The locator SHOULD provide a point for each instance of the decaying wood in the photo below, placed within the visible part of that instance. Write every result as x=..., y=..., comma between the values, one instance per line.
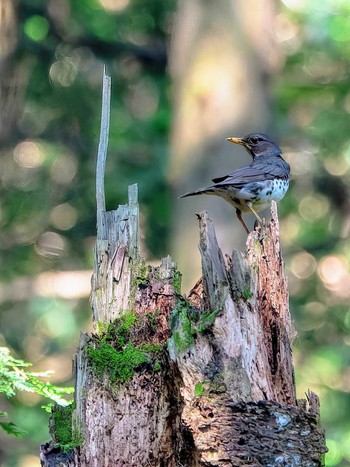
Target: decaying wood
x=102, y=157
x=253, y=333
x=136, y=423
x=217, y=387
x=247, y=413
x=114, y=252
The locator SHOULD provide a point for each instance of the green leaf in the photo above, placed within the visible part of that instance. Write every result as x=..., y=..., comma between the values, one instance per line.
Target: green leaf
x=14, y=377
x=12, y=429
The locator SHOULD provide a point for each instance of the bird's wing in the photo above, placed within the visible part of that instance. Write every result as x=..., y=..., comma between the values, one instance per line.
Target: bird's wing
x=256, y=172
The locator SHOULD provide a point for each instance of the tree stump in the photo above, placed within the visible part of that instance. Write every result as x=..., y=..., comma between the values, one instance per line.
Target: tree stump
x=172, y=381
x=203, y=380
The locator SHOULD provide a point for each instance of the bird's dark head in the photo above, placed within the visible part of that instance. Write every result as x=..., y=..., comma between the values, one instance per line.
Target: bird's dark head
x=258, y=144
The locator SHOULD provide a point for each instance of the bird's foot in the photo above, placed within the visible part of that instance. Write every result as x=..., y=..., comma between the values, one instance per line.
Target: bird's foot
x=260, y=228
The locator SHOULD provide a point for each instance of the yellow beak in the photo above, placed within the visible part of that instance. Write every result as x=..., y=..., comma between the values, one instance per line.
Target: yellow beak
x=236, y=140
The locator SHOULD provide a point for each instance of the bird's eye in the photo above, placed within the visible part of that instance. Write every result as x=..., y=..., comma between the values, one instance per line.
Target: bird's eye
x=254, y=140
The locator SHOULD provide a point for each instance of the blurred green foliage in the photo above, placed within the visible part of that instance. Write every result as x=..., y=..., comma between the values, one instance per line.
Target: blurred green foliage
x=313, y=111
x=15, y=377
x=47, y=199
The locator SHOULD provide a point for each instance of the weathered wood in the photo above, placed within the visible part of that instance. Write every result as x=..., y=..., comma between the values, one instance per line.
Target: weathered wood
x=137, y=423
x=224, y=392
x=114, y=256
x=204, y=380
x=253, y=330
x=102, y=155
x=117, y=242
x=255, y=433
x=239, y=391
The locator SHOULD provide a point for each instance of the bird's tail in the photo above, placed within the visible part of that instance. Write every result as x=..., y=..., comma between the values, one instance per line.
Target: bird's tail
x=200, y=191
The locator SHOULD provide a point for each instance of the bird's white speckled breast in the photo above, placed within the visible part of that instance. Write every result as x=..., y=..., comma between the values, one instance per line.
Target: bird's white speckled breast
x=274, y=192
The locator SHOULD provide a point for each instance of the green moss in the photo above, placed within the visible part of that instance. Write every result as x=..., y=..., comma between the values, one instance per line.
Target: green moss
x=182, y=342
x=177, y=281
x=119, y=364
x=114, y=354
x=246, y=293
x=119, y=330
x=63, y=434
x=77, y=440
x=151, y=348
x=186, y=322
x=101, y=327
x=62, y=420
x=183, y=335
x=207, y=388
x=206, y=320
x=199, y=389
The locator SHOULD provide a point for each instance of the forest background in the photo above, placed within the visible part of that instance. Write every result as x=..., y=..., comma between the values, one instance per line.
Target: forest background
x=186, y=74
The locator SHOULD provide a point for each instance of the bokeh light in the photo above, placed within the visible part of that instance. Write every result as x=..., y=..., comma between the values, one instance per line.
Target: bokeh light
x=36, y=27
x=64, y=169
x=50, y=245
x=63, y=72
x=313, y=208
x=29, y=154
x=64, y=216
x=303, y=265
x=69, y=284
x=334, y=273
x=29, y=461
x=114, y=5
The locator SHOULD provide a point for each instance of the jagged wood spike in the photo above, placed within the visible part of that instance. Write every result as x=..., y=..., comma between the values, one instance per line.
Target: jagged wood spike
x=102, y=154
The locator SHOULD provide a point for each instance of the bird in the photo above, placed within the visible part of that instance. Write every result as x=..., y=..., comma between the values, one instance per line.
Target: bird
x=252, y=187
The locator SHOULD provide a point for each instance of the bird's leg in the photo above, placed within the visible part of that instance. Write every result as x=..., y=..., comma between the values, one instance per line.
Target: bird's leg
x=254, y=212
x=240, y=218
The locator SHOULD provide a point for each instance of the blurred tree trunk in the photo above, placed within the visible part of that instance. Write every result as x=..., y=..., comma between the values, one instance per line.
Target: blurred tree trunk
x=222, y=57
x=13, y=73
x=211, y=380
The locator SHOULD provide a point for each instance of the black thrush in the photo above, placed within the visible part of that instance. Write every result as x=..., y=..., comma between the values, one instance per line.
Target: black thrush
x=253, y=187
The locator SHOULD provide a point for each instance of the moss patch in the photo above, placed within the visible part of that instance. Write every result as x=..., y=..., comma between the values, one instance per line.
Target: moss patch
x=206, y=320
x=62, y=431
x=177, y=281
x=247, y=293
x=186, y=322
x=113, y=353
x=184, y=334
x=199, y=389
x=119, y=364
